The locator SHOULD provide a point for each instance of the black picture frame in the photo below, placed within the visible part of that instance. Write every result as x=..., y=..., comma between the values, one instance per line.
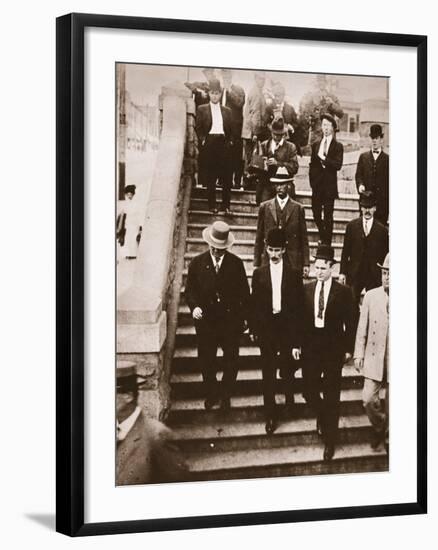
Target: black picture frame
x=70, y=272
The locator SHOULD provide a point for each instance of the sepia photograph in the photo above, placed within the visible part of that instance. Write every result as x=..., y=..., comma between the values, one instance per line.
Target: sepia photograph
x=252, y=274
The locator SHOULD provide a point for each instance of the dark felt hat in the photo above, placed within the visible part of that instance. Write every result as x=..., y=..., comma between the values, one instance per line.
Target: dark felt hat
x=385, y=264
x=277, y=126
x=330, y=118
x=276, y=238
x=325, y=252
x=215, y=85
x=376, y=131
x=367, y=199
x=130, y=189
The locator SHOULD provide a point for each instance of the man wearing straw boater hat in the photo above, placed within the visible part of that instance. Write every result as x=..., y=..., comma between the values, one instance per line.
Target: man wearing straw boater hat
x=146, y=449
x=288, y=215
x=325, y=161
x=217, y=294
x=276, y=303
x=371, y=355
x=327, y=343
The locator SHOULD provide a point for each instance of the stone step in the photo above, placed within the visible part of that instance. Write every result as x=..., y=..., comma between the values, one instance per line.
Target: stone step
x=229, y=436
x=242, y=247
x=249, y=381
x=285, y=461
x=250, y=408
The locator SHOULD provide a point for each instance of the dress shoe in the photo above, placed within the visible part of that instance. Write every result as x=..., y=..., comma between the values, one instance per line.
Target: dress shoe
x=318, y=427
x=271, y=426
x=225, y=404
x=329, y=451
x=214, y=210
x=376, y=440
x=228, y=212
x=211, y=402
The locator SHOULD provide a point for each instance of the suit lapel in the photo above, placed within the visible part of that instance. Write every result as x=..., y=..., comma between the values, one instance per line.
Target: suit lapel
x=289, y=209
x=209, y=118
x=331, y=146
x=272, y=208
x=331, y=297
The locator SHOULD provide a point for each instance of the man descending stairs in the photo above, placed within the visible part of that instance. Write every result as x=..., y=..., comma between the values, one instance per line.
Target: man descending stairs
x=232, y=443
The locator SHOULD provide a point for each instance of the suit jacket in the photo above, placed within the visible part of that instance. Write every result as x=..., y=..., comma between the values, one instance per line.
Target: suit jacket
x=291, y=301
x=338, y=323
x=372, y=333
x=234, y=100
x=358, y=248
x=255, y=115
x=297, y=249
x=375, y=177
x=285, y=155
x=204, y=121
x=323, y=177
x=224, y=296
x=149, y=455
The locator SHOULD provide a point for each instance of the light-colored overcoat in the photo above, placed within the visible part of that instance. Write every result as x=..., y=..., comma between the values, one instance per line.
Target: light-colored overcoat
x=372, y=333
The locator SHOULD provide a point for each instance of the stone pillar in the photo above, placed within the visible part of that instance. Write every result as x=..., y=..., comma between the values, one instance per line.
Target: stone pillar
x=141, y=320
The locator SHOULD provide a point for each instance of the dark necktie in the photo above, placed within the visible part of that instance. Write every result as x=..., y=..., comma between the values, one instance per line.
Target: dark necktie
x=325, y=147
x=217, y=266
x=321, y=301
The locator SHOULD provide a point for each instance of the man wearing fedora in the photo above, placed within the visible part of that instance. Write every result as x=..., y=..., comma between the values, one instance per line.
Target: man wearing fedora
x=146, y=449
x=286, y=214
x=327, y=331
x=217, y=294
x=276, y=303
x=325, y=162
x=372, y=173
x=371, y=356
x=214, y=129
x=277, y=153
x=366, y=244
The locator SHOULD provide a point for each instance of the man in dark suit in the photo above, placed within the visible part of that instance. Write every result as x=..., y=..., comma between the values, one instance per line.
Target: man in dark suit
x=327, y=343
x=146, y=449
x=217, y=294
x=233, y=97
x=276, y=303
x=280, y=108
x=372, y=173
x=326, y=160
x=366, y=244
x=287, y=214
x=278, y=153
x=214, y=129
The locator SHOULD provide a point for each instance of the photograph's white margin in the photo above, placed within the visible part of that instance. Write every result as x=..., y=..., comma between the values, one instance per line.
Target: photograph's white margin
x=104, y=502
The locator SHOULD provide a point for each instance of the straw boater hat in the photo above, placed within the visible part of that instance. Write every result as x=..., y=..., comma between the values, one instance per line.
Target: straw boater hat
x=330, y=118
x=281, y=176
x=385, y=264
x=218, y=235
x=127, y=377
x=325, y=252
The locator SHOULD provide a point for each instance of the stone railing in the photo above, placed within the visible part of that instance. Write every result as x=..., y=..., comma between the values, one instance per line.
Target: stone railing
x=144, y=328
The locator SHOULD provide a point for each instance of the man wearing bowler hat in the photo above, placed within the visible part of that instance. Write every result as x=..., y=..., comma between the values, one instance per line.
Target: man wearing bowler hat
x=327, y=343
x=372, y=173
x=325, y=161
x=366, y=244
x=217, y=294
x=288, y=215
x=215, y=131
x=146, y=449
x=276, y=303
x=371, y=355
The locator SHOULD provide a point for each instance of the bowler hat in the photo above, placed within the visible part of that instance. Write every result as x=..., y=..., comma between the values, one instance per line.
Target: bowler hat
x=367, y=199
x=277, y=126
x=376, y=131
x=276, y=238
x=385, y=264
x=130, y=189
x=215, y=85
x=281, y=176
x=330, y=118
x=325, y=252
x=218, y=235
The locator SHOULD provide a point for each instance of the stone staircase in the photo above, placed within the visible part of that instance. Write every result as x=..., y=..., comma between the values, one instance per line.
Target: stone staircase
x=234, y=444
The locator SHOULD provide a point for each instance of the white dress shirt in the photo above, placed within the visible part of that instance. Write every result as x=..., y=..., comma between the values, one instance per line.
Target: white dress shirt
x=276, y=279
x=321, y=147
x=367, y=225
x=224, y=97
x=282, y=202
x=275, y=145
x=217, y=124
x=319, y=323
x=377, y=153
x=221, y=259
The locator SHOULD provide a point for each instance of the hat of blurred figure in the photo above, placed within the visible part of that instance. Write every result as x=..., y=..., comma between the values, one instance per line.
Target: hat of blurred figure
x=226, y=71
x=281, y=176
x=325, y=252
x=277, y=126
x=260, y=74
x=130, y=189
x=367, y=199
x=385, y=264
x=330, y=118
x=215, y=85
x=376, y=131
x=218, y=235
x=208, y=70
x=278, y=87
x=276, y=238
